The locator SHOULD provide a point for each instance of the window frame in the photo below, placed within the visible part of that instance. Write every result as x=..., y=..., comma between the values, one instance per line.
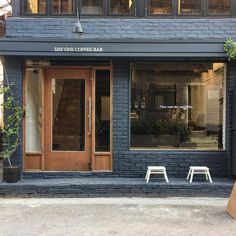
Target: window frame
x=174, y=150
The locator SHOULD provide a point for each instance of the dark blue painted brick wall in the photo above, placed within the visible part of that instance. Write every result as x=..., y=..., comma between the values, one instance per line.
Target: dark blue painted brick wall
x=231, y=83
x=13, y=69
x=116, y=28
x=134, y=163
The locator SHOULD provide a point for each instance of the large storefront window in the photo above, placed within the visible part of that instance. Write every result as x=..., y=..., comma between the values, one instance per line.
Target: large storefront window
x=177, y=106
x=33, y=110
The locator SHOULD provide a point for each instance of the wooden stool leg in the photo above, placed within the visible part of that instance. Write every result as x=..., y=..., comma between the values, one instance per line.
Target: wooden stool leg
x=191, y=178
x=166, y=177
x=188, y=173
x=206, y=175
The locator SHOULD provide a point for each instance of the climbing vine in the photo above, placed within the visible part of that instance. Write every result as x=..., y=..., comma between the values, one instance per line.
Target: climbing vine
x=230, y=49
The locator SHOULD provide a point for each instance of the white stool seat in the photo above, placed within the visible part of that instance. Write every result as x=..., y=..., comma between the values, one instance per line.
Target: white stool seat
x=156, y=167
x=202, y=170
x=199, y=167
x=156, y=170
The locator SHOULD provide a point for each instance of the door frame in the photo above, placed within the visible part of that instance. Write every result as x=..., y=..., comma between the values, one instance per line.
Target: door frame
x=101, y=161
x=68, y=160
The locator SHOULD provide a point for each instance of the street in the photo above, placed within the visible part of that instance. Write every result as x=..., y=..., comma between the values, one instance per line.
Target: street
x=115, y=216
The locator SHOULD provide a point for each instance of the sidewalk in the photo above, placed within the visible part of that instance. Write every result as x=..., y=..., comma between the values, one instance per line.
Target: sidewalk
x=116, y=216
x=117, y=187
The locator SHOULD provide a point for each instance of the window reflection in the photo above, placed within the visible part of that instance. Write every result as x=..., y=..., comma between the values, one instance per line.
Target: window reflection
x=62, y=6
x=219, y=7
x=160, y=7
x=34, y=6
x=122, y=7
x=177, y=106
x=92, y=7
x=189, y=7
x=68, y=100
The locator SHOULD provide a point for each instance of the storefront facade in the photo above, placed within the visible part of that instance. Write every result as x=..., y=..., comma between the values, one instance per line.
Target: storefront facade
x=145, y=84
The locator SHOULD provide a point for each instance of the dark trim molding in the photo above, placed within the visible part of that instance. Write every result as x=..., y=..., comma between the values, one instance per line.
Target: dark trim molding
x=112, y=48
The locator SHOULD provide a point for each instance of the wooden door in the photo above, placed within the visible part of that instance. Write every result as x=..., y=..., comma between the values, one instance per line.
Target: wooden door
x=68, y=119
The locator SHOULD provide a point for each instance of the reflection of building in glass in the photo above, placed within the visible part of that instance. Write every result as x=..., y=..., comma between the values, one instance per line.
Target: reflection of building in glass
x=183, y=100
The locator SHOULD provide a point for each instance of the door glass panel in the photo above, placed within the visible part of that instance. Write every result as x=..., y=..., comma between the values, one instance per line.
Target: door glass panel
x=102, y=111
x=33, y=111
x=68, y=101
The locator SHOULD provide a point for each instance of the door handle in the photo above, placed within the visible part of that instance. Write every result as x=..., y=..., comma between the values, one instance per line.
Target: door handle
x=90, y=116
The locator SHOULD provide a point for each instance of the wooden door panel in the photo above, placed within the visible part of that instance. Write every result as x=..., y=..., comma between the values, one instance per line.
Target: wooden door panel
x=67, y=158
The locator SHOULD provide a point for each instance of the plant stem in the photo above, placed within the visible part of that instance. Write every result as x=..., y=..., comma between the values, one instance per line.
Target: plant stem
x=9, y=161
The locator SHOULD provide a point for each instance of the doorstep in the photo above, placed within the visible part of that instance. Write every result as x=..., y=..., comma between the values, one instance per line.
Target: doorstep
x=116, y=187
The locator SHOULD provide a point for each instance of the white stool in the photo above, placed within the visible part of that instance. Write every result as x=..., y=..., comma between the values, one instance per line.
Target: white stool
x=156, y=170
x=202, y=170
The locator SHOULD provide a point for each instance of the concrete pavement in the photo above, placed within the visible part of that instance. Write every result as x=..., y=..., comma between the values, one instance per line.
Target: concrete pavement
x=115, y=216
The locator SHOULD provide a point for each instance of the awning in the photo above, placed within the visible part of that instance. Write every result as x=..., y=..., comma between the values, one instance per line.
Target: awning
x=112, y=48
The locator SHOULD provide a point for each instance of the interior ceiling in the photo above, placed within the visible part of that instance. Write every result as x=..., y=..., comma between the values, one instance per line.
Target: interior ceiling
x=175, y=67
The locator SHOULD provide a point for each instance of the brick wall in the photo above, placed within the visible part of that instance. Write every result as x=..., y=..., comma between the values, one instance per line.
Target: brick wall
x=14, y=76
x=134, y=163
x=103, y=28
x=126, y=162
x=231, y=83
